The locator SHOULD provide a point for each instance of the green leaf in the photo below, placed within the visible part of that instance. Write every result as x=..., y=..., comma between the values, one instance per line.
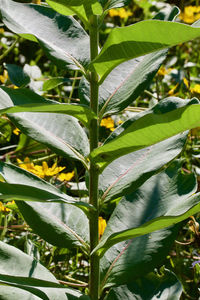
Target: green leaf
x=32, y=189
x=108, y=4
x=24, y=100
x=76, y=2
x=29, y=21
x=30, y=193
x=17, y=76
x=151, y=286
x=130, y=260
x=127, y=173
x=27, y=277
x=163, y=200
x=61, y=133
x=169, y=117
x=124, y=84
x=139, y=39
x=68, y=224
x=80, y=8
x=54, y=82
x=5, y=131
x=127, y=81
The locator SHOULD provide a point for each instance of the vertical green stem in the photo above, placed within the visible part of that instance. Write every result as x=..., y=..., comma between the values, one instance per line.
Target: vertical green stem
x=93, y=187
x=5, y=225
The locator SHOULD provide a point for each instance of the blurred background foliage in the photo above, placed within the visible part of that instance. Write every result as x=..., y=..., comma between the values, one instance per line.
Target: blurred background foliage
x=23, y=64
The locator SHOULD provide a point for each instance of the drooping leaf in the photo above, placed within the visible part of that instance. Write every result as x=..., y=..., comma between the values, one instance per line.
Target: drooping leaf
x=144, y=37
x=23, y=185
x=17, y=76
x=68, y=224
x=127, y=173
x=61, y=133
x=29, y=193
x=169, y=117
x=28, y=20
x=24, y=100
x=28, y=279
x=59, y=224
x=82, y=9
x=163, y=200
x=151, y=286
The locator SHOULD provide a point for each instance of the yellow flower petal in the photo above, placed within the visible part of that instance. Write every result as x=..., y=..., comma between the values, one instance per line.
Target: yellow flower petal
x=66, y=176
x=4, y=77
x=162, y=71
x=190, y=14
x=16, y=131
x=196, y=89
x=102, y=226
x=108, y=123
x=3, y=208
x=171, y=92
x=186, y=82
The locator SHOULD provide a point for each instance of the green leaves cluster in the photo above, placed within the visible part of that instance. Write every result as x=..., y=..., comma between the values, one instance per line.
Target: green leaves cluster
x=128, y=165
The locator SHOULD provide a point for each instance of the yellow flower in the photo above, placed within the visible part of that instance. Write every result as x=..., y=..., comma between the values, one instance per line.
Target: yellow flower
x=40, y=171
x=190, y=14
x=119, y=122
x=66, y=176
x=186, y=82
x=4, y=208
x=16, y=131
x=4, y=77
x=102, y=226
x=171, y=92
x=196, y=89
x=1, y=30
x=121, y=12
x=108, y=123
x=162, y=71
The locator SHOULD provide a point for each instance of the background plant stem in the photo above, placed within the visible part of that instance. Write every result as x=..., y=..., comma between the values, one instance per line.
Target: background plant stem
x=93, y=173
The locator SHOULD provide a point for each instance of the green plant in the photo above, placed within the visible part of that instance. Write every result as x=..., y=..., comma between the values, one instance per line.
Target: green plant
x=134, y=163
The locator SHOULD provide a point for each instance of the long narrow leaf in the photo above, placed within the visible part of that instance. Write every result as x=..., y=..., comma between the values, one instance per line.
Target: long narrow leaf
x=169, y=117
x=128, y=80
x=33, y=188
x=24, y=100
x=82, y=9
x=60, y=133
x=22, y=277
x=67, y=223
x=66, y=49
x=139, y=39
x=165, y=199
x=127, y=173
x=150, y=286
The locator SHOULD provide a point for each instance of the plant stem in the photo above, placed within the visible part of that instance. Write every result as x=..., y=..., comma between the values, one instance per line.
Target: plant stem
x=93, y=173
x=5, y=226
x=9, y=49
x=73, y=86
